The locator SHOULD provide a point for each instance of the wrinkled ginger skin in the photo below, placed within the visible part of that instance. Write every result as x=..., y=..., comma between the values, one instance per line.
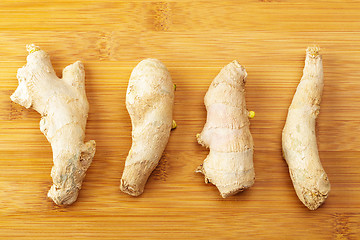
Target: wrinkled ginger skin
x=63, y=106
x=229, y=164
x=299, y=144
x=149, y=101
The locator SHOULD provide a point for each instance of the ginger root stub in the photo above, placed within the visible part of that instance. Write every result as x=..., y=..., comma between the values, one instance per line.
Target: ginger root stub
x=64, y=108
x=299, y=145
x=229, y=165
x=149, y=101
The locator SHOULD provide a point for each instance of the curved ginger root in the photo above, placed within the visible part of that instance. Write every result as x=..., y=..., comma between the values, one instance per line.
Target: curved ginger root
x=229, y=164
x=298, y=138
x=149, y=101
x=63, y=106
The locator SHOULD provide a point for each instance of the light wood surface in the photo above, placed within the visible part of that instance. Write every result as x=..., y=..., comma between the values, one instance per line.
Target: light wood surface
x=195, y=40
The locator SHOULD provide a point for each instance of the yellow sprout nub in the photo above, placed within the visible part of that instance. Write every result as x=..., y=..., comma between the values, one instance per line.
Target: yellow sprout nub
x=174, y=87
x=174, y=125
x=251, y=114
x=32, y=48
x=198, y=135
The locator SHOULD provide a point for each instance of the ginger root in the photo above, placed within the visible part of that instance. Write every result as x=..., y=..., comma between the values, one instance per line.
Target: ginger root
x=149, y=101
x=299, y=145
x=229, y=164
x=64, y=108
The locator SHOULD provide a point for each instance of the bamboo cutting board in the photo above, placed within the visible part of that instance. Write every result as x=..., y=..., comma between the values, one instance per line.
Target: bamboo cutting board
x=195, y=40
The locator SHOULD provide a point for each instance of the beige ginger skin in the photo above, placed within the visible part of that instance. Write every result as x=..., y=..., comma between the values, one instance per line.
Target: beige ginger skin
x=299, y=145
x=149, y=101
x=229, y=164
x=64, y=108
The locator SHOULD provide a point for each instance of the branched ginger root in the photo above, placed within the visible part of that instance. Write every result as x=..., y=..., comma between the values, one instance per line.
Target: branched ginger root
x=229, y=164
x=149, y=101
x=63, y=106
x=299, y=145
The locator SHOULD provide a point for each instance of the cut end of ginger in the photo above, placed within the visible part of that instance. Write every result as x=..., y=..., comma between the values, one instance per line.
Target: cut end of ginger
x=32, y=48
x=313, y=51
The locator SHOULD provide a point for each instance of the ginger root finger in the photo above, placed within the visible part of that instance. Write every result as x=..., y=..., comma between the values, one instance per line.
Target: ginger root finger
x=64, y=108
x=299, y=144
x=229, y=165
x=149, y=101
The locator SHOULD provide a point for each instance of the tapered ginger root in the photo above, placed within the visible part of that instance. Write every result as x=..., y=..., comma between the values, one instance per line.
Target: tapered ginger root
x=298, y=137
x=229, y=164
x=149, y=101
x=63, y=106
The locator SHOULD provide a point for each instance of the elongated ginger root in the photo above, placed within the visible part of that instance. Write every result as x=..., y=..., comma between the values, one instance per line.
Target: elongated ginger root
x=298, y=138
x=63, y=106
x=149, y=101
x=229, y=164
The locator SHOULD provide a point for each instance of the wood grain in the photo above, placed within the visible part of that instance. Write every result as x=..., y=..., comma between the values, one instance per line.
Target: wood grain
x=195, y=40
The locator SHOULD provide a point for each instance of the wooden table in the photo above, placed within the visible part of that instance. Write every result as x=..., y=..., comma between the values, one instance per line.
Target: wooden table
x=195, y=40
